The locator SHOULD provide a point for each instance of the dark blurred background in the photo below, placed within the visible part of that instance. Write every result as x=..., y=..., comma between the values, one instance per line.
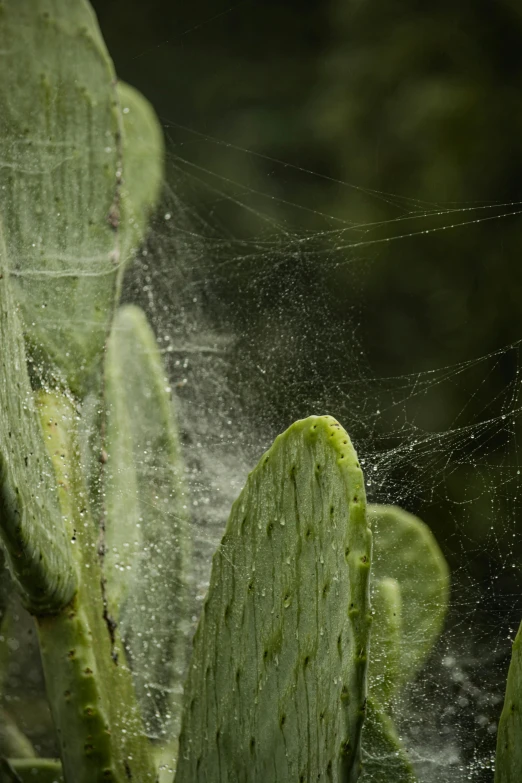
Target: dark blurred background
x=351, y=173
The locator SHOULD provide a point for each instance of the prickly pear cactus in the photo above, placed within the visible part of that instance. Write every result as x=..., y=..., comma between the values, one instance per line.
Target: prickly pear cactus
x=69, y=221
x=406, y=551
x=410, y=593
x=31, y=528
x=277, y=685
x=385, y=659
x=88, y=682
x=508, y=765
x=147, y=533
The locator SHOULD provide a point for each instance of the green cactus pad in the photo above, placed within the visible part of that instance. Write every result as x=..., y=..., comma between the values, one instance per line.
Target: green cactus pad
x=88, y=682
x=386, y=641
x=77, y=178
x=508, y=765
x=31, y=526
x=13, y=742
x=384, y=758
x=34, y=770
x=143, y=154
x=147, y=536
x=406, y=551
x=277, y=685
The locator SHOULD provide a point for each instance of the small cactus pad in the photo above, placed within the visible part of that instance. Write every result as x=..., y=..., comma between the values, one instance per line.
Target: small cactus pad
x=31, y=527
x=406, y=551
x=508, y=765
x=277, y=684
x=147, y=535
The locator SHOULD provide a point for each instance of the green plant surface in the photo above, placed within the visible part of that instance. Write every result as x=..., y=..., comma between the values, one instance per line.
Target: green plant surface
x=384, y=758
x=29, y=770
x=386, y=642
x=406, y=551
x=508, y=765
x=31, y=527
x=78, y=179
x=143, y=164
x=410, y=594
x=61, y=147
x=147, y=532
x=88, y=682
x=277, y=684
x=13, y=742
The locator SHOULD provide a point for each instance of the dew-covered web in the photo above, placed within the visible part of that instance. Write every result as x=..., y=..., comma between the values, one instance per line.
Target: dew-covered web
x=251, y=334
x=278, y=319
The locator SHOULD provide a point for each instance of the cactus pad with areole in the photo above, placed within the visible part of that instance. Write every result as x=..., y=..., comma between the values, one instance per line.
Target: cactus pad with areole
x=277, y=685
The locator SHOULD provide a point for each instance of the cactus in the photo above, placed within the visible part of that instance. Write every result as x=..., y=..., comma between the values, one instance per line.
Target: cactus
x=277, y=684
x=91, y=692
x=142, y=170
x=61, y=140
x=73, y=205
x=147, y=537
x=385, y=661
x=410, y=595
x=32, y=531
x=62, y=143
x=31, y=771
x=406, y=551
x=508, y=766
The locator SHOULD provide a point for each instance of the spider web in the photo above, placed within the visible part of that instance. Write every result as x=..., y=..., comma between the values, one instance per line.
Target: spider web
x=255, y=333
x=241, y=375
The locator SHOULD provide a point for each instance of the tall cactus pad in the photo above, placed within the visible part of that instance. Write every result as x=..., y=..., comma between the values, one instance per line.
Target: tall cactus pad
x=277, y=687
x=60, y=177
x=147, y=536
x=88, y=683
x=406, y=551
x=31, y=526
x=508, y=766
